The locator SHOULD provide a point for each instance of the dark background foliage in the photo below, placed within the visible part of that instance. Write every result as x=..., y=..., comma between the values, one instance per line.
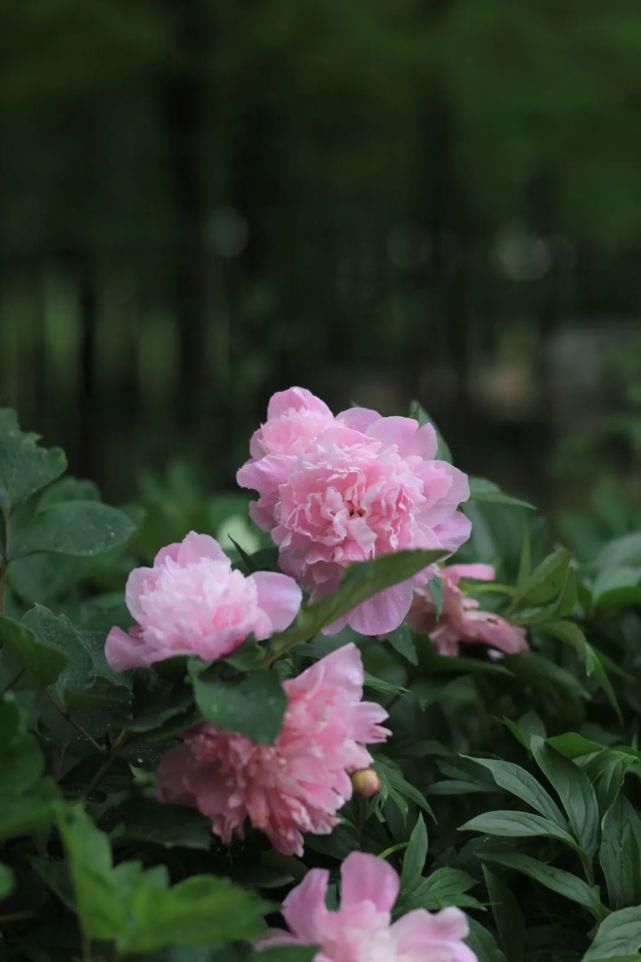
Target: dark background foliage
x=207, y=200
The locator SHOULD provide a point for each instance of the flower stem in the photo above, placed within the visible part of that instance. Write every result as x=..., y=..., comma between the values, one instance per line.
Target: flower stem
x=115, y=750
x=67, y=717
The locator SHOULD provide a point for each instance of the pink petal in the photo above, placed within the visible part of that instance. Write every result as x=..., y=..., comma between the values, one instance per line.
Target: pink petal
x=418, y=931
x=196, y=546
x=359, y=419
x=295, y=398
x=304, y=908
x=124, y=651
x=279, y=596
x=367, y=877
x=382, y=613
x=406, y=435
x=477, y=572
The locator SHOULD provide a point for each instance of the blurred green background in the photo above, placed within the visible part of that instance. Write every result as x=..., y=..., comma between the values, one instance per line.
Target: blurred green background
x=202, y=201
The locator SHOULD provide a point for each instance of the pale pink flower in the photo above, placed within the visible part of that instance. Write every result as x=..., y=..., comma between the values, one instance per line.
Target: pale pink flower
x=461, y=618
x=338, y=490
x=361, y=929
x=295, y=785
x=192, y=603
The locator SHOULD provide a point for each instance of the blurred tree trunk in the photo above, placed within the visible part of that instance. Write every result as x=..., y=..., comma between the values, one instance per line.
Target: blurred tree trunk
x=89, y=433
x=184, y=109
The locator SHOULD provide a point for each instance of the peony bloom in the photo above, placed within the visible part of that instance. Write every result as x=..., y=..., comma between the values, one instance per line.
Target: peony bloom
x=461, y=618
x=338, y=490
x=360, y=930
x=192, y=603
x=295, y=785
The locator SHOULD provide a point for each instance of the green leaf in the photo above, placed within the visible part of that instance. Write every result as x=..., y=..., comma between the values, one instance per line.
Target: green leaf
x=437, y=594
x=442, y=888
x=138, y=910
x=507, y=915
x=607, y=772
x=418, y=412
x=617, y=587
x=483, y=944
x=555, y=879
x=517, y=781
x=618, y=937
x=620, y=854
x=483, y=490
x=402, y=641
x=574, y=745
x=57, y=633
x=508, y=824
x=24, y=467
x=575, y=790
x=415, y=855
x=25, y=814
x=396, y=786
x=254, y=706
x=570, y=633
x=44, y=662
x=83, y=528
x=546, y=581
x=360, y=582
x=21, y=761
x=171, y=826
x=7, y=881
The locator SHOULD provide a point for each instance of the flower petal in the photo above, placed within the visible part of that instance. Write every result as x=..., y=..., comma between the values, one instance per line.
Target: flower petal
x=367, y=877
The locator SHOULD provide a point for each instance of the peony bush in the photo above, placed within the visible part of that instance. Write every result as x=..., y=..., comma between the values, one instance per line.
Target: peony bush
x=404, y=728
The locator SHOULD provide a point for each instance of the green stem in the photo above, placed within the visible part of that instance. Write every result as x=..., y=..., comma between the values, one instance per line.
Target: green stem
x=14, y=681
x=67, y=717
x=117, y=746
x=17, y=917
x=393, y=848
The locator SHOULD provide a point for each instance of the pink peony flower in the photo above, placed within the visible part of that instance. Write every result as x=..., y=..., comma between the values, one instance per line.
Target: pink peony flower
x=360, y=930
x=461, y=618
x=192, y=603
x=338, y=490
x=295, y=785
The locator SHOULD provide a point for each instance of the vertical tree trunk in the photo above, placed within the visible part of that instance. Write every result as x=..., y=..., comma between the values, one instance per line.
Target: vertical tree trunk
x=184, y=108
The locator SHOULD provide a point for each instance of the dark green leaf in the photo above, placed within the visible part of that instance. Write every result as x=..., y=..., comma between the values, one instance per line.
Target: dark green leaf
x=517, y=781
x=508, y=824
x=24, y=466
x=483, y=490
x=144, y=820
x=618, y=937
x=254, y=706
x=442, y=888
x=44, y=662
x=556, y=879
x=83, y=528
x=575, y=790
x=507, y=915
x=620, y=854
x=415, y=855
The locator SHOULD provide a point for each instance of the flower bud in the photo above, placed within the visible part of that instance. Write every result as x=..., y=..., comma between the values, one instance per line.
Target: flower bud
x=366, y=782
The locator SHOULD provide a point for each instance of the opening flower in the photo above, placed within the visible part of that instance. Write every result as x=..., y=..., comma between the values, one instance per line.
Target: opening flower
x=192, y=603
x=295, y=785
x=361, y=929
x=462, y=619
x=338, y=490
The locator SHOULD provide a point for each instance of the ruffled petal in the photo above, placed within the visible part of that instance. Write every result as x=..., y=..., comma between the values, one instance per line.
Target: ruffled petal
x=368, y=878
x=279, y=597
